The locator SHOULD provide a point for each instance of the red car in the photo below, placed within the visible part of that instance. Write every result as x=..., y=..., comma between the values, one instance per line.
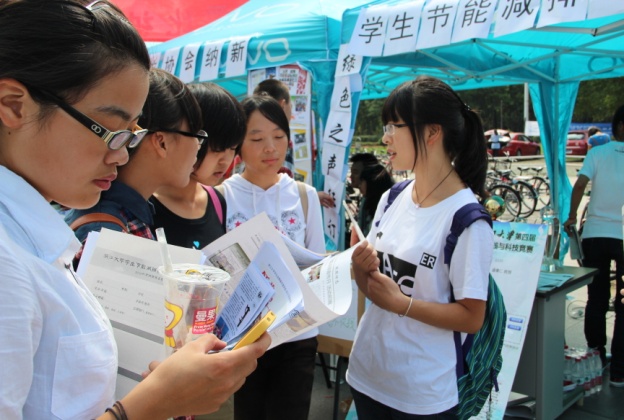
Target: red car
x=514, y=144
x=577, y=143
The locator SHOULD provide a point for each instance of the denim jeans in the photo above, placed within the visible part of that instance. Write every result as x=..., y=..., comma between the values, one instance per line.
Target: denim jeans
x=369, y=409
x=599, y=252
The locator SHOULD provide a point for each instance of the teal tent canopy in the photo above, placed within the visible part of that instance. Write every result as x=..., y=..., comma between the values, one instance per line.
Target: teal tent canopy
x=552, y=60
x=282, y=32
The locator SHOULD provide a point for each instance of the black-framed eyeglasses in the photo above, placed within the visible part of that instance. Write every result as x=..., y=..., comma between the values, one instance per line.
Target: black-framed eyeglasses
x=115, y=140
x=390, y=129
x=201, y=135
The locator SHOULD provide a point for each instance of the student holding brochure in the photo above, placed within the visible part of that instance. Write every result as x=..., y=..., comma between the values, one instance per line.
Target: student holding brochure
x=73, y=80
x=403, y=362
x=281, y=386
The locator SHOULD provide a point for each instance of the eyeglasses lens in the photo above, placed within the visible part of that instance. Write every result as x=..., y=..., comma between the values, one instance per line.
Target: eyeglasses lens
x=137, y=138
x=119, y=140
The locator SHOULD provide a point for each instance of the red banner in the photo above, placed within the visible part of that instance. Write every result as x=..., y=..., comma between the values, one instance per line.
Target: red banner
x=162, y=20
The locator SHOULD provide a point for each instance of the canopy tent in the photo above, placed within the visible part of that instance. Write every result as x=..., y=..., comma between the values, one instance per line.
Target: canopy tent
x=552, y=59
x=162, y=20
x=282, y=32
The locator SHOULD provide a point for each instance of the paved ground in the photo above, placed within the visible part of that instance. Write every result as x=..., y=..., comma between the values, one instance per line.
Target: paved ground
x=605, y=405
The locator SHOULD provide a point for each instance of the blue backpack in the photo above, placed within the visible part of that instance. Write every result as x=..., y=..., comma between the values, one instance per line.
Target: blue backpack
x=479, y=358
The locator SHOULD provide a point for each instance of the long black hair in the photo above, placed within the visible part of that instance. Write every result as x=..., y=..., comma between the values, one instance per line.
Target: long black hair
x=63, y=48
x=378, y=181
x=427, y=100
x=169, y=102
x=223, y=118
x=274, y=88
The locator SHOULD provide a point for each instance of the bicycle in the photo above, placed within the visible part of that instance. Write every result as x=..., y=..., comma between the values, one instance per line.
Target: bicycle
x=527, y=192
x=539, y=183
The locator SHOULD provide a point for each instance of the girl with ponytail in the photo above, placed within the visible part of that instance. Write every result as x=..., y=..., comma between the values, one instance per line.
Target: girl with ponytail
x=403, y=360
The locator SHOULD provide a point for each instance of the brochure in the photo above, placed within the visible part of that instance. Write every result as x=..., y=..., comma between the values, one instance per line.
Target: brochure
x=325, y=287
x=120, y=270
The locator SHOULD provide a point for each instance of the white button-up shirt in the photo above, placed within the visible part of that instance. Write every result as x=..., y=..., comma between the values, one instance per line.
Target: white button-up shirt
x=58, y=358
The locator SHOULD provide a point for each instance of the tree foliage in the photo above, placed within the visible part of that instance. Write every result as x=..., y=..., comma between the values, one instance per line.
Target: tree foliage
x=503, y=107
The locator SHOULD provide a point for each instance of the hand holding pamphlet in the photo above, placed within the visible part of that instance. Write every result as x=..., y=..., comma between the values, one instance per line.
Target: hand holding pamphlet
x=121, y=270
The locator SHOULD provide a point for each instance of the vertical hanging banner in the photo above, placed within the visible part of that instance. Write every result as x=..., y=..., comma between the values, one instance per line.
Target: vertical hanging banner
x=332, y=162
x=347, y=63
x=557, y=11
x=518, y=252
x=236, y=59
x=170, y=60
x=331, y=216
x=341, y=95
x=473, y=20
x=299, y=84
x=514, y=16
x=336, y=135
x=210, y=61
x=189, y=63
x=337, y=129
x=402, y=30
x=436, y=26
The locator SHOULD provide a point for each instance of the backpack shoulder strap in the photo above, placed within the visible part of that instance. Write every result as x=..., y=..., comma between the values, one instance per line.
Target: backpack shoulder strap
x=395, y=190
x=216, y=202
x=303, y=196
x=98, y=217
x=463, y=218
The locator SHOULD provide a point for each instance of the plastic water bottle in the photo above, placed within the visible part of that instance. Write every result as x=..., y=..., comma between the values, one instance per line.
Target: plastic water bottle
x=568, y=373
x=591, y=367
x=577, y=372
x=597, y=369
x=587, y=375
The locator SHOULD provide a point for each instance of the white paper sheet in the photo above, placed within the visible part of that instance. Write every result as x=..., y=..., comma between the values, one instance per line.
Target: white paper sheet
x=210, y=61
x=170, y=60
x=189, y=63
x=436, y=23
x=120, y=270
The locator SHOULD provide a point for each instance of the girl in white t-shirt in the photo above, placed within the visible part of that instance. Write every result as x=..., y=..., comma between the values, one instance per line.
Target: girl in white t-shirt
x=281, y=386
x=403, y=360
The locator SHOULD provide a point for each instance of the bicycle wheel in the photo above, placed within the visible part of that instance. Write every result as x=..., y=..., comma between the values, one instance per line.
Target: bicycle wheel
x=542, y=188
x=513, y=203
x=528, y=195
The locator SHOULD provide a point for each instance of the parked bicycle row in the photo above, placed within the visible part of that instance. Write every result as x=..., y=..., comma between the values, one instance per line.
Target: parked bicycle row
x=522, y=192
